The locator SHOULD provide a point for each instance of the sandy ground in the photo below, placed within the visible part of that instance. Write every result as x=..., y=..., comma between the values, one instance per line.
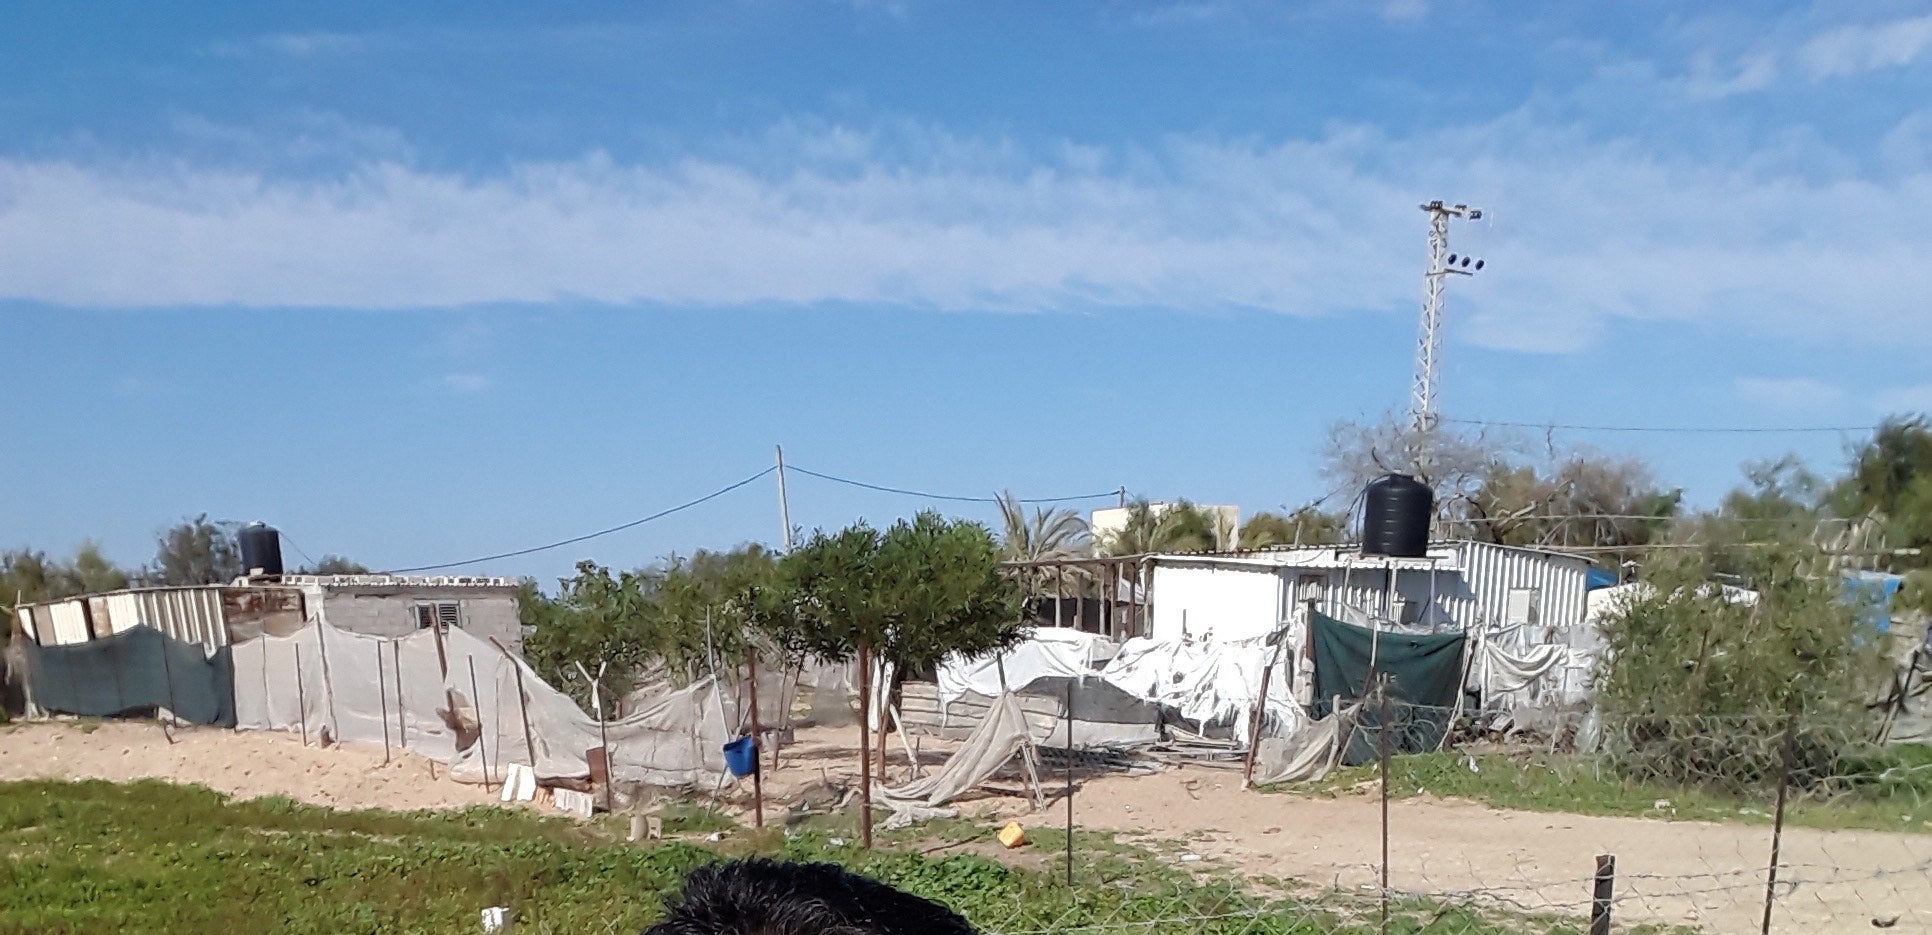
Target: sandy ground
x=246, y=764
x=1679, y=873
x=1691, y=873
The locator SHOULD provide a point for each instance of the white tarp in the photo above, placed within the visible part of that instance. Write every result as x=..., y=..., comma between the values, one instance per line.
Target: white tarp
x=367, y=689
x=1307, y=751
x=1049, y=652
x=1209, y=682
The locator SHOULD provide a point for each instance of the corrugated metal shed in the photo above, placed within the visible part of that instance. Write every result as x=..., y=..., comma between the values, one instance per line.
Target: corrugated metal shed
x=1518, y=594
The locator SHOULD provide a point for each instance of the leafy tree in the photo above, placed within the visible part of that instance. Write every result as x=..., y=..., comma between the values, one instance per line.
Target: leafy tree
x=1584, y=499
x=195, y=551
x=925, y=588
x=1307, y=525
x=89, y=573
x=335, y=565
x=1697, y=687
x=1890, y=482
x=596, y=617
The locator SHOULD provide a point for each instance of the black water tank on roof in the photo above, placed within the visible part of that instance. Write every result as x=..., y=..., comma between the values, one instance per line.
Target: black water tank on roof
x=1395, y=517
x=261, y=547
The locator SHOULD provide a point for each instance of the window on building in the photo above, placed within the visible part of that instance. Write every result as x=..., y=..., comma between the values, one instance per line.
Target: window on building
x=439, y=614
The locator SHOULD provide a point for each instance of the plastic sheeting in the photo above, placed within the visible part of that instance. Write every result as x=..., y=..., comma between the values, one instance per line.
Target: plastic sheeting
x=1208, y=683
x=1001, y=735
x=1050, y=652
x=1308, y=752
x=136, y=669
x=370, y=690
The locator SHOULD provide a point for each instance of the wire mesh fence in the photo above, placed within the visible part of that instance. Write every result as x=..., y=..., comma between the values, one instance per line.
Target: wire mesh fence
x=1771, y=824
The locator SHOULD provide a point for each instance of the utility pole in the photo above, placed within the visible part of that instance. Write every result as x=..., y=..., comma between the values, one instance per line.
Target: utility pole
x=784, y=505
x=1428, y=349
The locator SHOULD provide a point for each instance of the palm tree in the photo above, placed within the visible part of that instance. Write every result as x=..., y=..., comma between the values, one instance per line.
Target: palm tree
x=1046, y=536
x=1180, y=527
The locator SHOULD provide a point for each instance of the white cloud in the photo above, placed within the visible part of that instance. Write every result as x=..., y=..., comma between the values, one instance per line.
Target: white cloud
x=1850, y=50
x=295, y=44
x=1584, y=234
x=1790, y=394
x=466, y=382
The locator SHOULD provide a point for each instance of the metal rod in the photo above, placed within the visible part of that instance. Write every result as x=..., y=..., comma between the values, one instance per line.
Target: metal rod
x=1601, y=895
x=1069, y=784
x=603, y=739
x=1777, y=824
x=1260, y=713
x=757, y=774
x=1382, y=742
x=476, y=704
x=402, y=717
x=301, y=696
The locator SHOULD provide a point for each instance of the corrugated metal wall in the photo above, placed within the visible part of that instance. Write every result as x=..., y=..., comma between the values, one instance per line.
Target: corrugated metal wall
x=191, y=615
x=1471, y=583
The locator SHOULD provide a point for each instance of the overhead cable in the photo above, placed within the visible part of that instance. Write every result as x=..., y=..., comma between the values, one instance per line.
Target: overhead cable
x=1709, y=430
x=601, y=532
x=940, y=496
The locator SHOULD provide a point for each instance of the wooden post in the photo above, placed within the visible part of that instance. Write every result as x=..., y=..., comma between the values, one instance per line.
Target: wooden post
x=865, y=750
x=476, y=704
x=523, y=708
x=1255, y=721
x=1601, y=895
x=757, y=774
x=382, y=696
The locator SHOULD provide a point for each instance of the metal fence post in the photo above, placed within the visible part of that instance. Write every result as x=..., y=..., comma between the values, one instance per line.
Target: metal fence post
x=1777, y=823
x=1382, y=745
x=1601, y=895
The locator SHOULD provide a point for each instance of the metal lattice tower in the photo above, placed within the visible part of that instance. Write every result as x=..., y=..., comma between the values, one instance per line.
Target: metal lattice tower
x=1428, y=347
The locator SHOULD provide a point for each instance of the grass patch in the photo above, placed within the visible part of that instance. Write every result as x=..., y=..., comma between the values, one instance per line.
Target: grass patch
x=1897, y=798
x=152, y=857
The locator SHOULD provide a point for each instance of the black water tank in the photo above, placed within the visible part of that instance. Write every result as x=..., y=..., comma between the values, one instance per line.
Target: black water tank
x=1395, y=517
x=261, y=547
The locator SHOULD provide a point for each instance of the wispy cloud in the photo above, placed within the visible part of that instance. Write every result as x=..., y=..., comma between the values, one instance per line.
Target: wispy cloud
x=1790, y=394
x=1584, y=232
x=296, y=44
x=466, y=382
x=1850, y=50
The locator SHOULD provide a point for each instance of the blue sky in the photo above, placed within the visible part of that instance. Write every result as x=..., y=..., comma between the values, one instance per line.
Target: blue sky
x=418, y=282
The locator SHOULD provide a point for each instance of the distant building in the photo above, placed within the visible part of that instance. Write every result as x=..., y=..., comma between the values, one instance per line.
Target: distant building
x=219, y=615
x=1521, y=594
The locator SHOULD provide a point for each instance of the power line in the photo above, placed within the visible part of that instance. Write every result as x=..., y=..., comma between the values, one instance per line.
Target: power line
x=601, y=532
x=940, y=496
x=1705, y=430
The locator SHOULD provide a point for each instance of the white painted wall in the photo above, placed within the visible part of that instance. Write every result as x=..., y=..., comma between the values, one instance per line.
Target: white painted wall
x=1225, y=602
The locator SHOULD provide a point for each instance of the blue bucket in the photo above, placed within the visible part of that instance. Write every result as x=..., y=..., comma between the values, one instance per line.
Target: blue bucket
x=741, y=756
